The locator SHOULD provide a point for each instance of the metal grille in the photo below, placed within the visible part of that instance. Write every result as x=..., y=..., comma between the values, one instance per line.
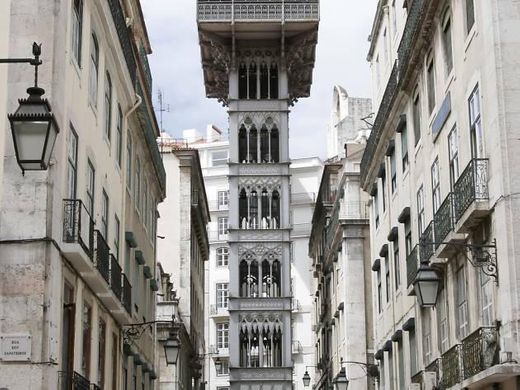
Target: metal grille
x=451, y=366
x=78, y=226
x=426, y=242
x=115, y=276
x=443, y=220
x=480, y=351
x=471, y=186
x=412, y=265
x=126, y=296
x=124, y=36
x=72, y=381
x=102, y=256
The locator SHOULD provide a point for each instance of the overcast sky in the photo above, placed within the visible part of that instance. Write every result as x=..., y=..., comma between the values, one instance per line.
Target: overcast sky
x=340, y=59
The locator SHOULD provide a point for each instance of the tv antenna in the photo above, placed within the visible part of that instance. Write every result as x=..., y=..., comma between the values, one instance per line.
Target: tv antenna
x=162, y=108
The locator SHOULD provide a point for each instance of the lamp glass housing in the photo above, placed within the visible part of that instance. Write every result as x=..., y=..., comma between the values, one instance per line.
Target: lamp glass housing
x=34, y=131
x=341, y=381
x=171, y=350
x=306, y=379
x=426, y=286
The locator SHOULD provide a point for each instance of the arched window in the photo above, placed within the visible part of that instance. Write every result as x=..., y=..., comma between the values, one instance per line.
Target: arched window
x=253, y=210
x=264, y=81
x=242, y=209
x=265, y=209
x=253, y=151
x=108, y=105
x=274, y=81
x=275, y=145
x=252, y=81
x=242, y=81
x=275, y=210
x=93, y=70
x=249, y=279
x=276, y=279
x=264, y=145
x=277, y=347
x=242, y=144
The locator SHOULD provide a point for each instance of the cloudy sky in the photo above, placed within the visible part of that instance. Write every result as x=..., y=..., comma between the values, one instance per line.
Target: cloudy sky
x=175, y=62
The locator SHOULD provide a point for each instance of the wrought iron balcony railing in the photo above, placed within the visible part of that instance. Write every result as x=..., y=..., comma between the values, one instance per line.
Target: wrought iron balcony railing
x=146, y=68
x=471, y=186
x=78, y=226
x=115, y=277
x=444, y=220
x=451, y=366
x=72, y=381
x=126, y=296
x=124, y=36
x=426, y=242
x=259, y=10
x=480, y=351
x=102, y=256
x=412, y=264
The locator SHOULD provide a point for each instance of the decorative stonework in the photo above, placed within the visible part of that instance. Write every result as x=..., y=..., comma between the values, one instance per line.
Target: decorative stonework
x=271, y=183
x=260, y=304
x=259, y=250
x=261, y=235
x=262, y=169
x=259, y=119
x=261, y=374
x=255, y=320
x=216, y=64
x=300, y=62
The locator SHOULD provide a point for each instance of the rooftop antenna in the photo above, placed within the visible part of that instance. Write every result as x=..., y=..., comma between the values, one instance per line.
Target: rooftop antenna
x=162, y=108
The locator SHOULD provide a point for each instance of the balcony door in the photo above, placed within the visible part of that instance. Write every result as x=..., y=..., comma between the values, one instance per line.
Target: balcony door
x=67, y=335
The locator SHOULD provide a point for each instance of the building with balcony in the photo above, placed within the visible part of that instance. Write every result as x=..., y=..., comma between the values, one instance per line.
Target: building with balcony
x=438, y=167
x=213, y=148
x=340, y=250
x=257, y=59
x=77, y=241
x=184, y=246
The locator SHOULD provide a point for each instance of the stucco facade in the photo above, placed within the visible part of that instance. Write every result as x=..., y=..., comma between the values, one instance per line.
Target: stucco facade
x=77, y=242
x=439, y=167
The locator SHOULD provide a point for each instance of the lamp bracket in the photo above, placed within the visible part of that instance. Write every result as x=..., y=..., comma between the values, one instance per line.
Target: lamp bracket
x=478, y=255
x=370, y=369
x=132, y=332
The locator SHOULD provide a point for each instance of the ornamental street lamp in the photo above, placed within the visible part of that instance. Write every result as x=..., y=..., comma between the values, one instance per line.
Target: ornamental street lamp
x=172, y=347
x=306, y=379
x=33, y=125
x=426, y=285
x=341, y=381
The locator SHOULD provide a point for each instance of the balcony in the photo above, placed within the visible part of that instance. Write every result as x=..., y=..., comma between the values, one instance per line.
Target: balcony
x=215, y=205
x=78, y=235
x=124, y=36
x=296, y=305
x=354, y=211
x=451, y=366
x=471, y=195
x=412, y=264
x=480, y=350
x=217, y=236
x=426, y=242
x=126, y=296
x=444, y=232
x=225, y=11
x=72, y=381
x=215, y=311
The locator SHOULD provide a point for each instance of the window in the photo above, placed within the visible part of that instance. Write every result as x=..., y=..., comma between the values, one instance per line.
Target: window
x=421, y=222
x=137, y=189
x=446, y=44
x=91, y=182
x=417, y=118
x=77, y=27
x=413, y=351
x=436, y=185
x=404, y=148
x=94, y=67
x=119, y=136
x=129, y=161
x=67, y=333
x=375, y=203
x=102, y=331
x=394, y=19
x=476, y=132
x=430, y=83
x=400, y=365
x=222, y=369
x=117, y=232
x=72, y=169
x=219, y=158
x=383, y=191
x=378, y=72
x=387, y=279
x=86, y=330
x=486, y=299
x=379, y=292
x=223, y=199
x=222, y=226
x=397, y=265
x=104, y=215
x=222, y=295
x=115, y=365
x=461, y=302
x=393, y=171
x=453, y=145
x=408, y=237
x=108, y=106
x=427, y=335
x=442, y=317
x=223, y=335
x=222, y=257
x=385, y=46
x=470, y=14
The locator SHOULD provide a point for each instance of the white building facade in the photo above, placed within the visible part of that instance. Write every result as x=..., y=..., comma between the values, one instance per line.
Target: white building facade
x=78, y=240
x=438, y=167
x=213, y=149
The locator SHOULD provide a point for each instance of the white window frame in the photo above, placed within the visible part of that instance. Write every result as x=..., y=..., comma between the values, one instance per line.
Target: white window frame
x=222, y=330
x=222, y=295
x=222, y=254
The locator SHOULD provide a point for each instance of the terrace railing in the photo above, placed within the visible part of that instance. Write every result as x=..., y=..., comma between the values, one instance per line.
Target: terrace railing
x=78, y=226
